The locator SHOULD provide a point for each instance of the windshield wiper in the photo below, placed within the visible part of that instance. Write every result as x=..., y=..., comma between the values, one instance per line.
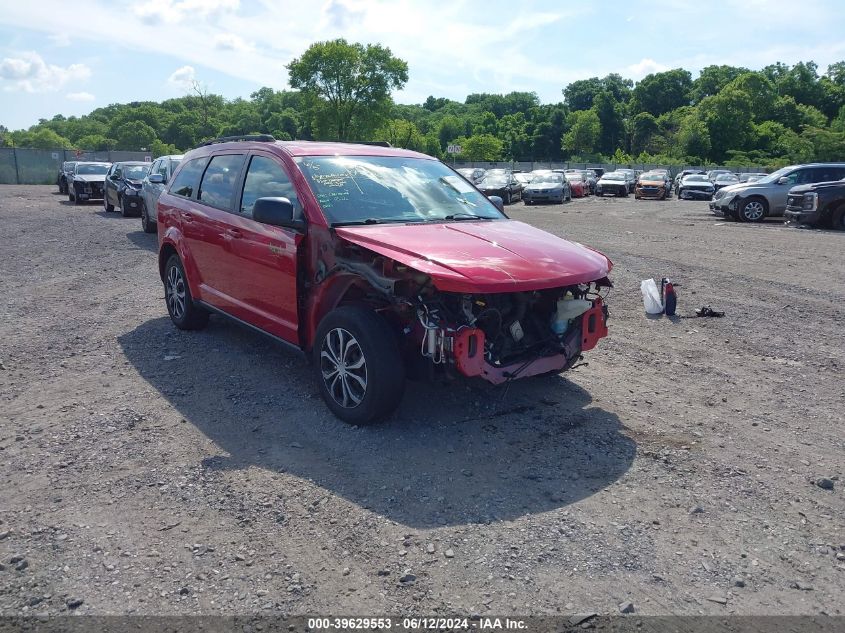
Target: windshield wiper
x=369, y=221
x=462, y=216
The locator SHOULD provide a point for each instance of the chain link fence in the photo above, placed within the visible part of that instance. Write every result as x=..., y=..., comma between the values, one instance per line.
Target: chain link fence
x=27, y=166
x=532, y=165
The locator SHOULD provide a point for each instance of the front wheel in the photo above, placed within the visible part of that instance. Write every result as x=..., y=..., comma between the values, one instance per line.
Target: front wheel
x=837, y=219
x=358, y=366
x=148, y=225
x=184, y=313
x=507, y=199
x=753, y=210
x=106, y=204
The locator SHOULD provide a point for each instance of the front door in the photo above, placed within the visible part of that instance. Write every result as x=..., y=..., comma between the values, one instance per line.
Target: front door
x=261, y=259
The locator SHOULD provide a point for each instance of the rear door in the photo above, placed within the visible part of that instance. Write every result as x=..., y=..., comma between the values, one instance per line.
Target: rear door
x=206, y=225
x=261, y=271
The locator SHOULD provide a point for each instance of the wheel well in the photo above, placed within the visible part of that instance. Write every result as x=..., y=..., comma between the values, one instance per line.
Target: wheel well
x=163, y=255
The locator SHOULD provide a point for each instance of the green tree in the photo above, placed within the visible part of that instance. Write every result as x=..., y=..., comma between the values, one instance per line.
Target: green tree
x=96, y=142
x=712, y=79
x=580, y=95
x=485, y=147
x=135, y=135
x=163, y=149
x=661, y=92
x=402, y=133
x=643, y=128
x=694, y=139
x=729, y=121
x=583, y=135
x=353, y=81
x=611, y=118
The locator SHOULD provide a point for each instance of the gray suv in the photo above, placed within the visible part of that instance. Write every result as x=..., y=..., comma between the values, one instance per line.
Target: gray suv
x=753, y=201
x=152, y=186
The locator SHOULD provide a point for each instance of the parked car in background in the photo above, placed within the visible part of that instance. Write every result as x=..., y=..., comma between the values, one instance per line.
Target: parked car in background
x=123, y=187
x=818, y=204
x=695, y=187
x=153, y=184
x=725, y=180
x=612, y=184
x=473, y=174
x=630, y=178
x=598, y=171
x=714, y=173
x=751, y=177
x=547, y=187
x=683, y=174
x=578, y=184
x=501, y=183
x=524, y=177
x=653, y=185
x=754, y=201
x=408, y=268
x=590, y=176
x=86, y=181
x=62, y=176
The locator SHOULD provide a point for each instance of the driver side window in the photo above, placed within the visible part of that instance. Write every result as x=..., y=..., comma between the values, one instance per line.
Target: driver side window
x=265, y=178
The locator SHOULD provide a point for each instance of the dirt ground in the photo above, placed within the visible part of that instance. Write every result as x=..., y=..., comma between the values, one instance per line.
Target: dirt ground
x=152, y=471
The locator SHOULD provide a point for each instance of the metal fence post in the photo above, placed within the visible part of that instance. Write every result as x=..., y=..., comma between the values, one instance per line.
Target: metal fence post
x=17, y=174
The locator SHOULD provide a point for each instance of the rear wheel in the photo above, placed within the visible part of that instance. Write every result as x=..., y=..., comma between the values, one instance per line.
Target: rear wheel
x=184, y=313
x=753, y=210
x=507, y=199
x=358, y=365
x=106, y=204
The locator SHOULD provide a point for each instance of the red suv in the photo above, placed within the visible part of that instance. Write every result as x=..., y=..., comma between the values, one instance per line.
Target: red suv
x=377, y=262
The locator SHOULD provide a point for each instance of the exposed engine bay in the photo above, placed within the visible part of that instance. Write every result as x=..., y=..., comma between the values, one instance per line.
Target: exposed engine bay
x=498, y=336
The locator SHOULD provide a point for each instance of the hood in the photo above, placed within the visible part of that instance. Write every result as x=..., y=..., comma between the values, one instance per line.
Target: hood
x=485, y=256
x=544, y=185
x=834, y=184
x=652, y=182
x=90, y=177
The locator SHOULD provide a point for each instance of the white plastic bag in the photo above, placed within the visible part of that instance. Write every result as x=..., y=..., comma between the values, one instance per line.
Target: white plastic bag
x=651, y=297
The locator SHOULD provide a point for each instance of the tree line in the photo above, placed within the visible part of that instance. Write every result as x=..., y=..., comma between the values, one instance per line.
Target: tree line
x=727, y=115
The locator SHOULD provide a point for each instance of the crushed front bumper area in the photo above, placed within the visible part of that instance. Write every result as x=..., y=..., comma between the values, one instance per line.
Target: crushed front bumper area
x=465, y=349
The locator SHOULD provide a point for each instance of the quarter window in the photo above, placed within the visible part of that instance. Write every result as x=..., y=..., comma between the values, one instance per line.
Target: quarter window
x=186, y=180
x=218, y=183
x=265, y=178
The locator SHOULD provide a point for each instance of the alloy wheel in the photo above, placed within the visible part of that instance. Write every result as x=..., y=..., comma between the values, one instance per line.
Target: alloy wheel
x=753, y=211
x=344, y=368
x=176, y=292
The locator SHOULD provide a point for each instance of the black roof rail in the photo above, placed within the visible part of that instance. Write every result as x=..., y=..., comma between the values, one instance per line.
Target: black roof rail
x=376, y=143
x=262, y=138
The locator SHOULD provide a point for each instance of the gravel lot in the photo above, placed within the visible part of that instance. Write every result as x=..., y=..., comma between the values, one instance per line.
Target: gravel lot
x=682, y=468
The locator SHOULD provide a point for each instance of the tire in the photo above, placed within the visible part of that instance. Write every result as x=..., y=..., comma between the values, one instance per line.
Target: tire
x=837, y=218
x=527, y=203
x=350, y=336
x=106, y=205
x=507, y=199
x=184, y=313
x=69, y=196
x=123, y=210
x=148, y=225
x=76, y=199
x=753, y=210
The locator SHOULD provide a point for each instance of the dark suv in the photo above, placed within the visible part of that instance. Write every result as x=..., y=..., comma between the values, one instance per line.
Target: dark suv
x=123, y=187
x=819, y=204
x=377, y=263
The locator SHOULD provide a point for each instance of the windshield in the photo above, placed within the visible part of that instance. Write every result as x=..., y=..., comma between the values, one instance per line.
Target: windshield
x=135, y=172
x=495, y=180
x=783, y=171
x=558, y=178
x=697, y=178
x=726, y=177
x=613, y=177
x=575, y=177
x=651, y=176
x=524, y=178
x=92, y=170
x=375, y=189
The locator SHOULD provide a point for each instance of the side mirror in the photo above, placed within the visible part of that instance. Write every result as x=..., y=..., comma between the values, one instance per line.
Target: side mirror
x=276, y=212
x=783, y=180
x=156, y=179
x=497, y=202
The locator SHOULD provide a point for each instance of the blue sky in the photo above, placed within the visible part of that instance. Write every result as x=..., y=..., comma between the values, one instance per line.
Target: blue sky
x=69, y=58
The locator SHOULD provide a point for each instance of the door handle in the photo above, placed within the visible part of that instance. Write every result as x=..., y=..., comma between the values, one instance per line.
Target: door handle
x=187, y=216
x=234, y=233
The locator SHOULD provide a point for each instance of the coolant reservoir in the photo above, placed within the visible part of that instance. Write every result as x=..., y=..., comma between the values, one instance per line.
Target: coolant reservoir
x=568, y=308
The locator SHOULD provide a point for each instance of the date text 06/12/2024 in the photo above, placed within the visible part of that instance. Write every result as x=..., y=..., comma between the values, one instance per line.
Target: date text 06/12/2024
x=415, y=623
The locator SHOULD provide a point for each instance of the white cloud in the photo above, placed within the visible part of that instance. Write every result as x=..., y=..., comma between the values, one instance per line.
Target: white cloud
x=30, y=73
x=174, y=11
x=232, y=42
x=644, y=67
x=80, y=96
x=183, y=77
x=338, y=14
x=59, y=39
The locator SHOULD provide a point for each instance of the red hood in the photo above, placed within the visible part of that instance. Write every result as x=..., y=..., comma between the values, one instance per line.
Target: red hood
x=482, y=257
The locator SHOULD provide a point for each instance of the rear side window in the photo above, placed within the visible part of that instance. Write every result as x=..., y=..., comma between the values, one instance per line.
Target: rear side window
x=218, y=183
x=186, y=180
x=828, y=174
x=265, y=178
